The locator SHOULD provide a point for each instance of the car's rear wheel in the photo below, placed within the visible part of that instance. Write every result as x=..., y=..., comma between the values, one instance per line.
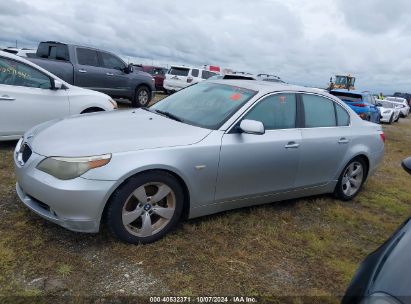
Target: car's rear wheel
x=141, y=97
x=145, y=208
x=351, y=180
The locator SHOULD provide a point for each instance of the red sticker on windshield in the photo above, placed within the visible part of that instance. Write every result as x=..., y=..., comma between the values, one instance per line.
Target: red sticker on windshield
x=235, y=96
x=282, y=99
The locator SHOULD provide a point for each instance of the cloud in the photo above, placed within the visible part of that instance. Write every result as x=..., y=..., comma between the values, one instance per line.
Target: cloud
x=303, y=42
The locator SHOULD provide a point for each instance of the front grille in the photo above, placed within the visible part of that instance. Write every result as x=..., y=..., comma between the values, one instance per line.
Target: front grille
x=26, y=153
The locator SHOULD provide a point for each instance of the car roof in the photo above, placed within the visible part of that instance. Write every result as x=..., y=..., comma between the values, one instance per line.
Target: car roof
x=267, y=86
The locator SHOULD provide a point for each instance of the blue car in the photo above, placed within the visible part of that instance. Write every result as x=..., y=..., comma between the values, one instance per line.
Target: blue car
x=363, y=103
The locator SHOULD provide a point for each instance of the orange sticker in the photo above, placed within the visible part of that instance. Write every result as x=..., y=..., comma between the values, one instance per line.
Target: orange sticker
x=236, y=96
x=282, y=99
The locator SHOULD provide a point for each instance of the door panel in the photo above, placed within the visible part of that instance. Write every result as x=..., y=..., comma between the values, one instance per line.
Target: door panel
x=87, y=71
x=323, y=151
x=324, y=144
x=29, y=107
x=27, y=98
x=116, y=80
x=252, y=165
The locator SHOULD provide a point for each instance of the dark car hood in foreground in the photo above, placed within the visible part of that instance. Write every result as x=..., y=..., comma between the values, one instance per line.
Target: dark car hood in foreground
x=116, y=131
x=387, y=270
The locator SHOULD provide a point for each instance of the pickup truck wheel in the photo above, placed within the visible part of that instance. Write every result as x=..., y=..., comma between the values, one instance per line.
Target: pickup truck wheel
x=141, y=98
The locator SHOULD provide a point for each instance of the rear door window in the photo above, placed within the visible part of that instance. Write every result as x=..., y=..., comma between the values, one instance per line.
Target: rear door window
x=179, y=71
x=207, y=74
x=318, y=111
x=87, y=57
x=343, y=118
x=194, y=72
x=275, y=112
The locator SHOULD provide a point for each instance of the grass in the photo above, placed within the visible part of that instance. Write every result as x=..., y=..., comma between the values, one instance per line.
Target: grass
x=305, y=247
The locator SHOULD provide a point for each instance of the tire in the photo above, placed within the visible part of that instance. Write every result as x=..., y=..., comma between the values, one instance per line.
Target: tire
x=344, y=192
x=142, y=97
x=138, y=220
x=398, y=118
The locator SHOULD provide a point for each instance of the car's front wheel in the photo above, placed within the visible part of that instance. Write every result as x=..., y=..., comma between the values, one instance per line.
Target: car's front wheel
x=351, y=180
x=145, y=208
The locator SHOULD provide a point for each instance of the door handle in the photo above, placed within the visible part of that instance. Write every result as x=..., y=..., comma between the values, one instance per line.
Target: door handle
x=7, y=97
x=109, y=74
x=82, y=71
x=343, y=140
x=292, y=145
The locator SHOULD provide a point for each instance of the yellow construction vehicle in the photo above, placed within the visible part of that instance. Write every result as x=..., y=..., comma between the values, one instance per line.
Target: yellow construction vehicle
x=342, y=82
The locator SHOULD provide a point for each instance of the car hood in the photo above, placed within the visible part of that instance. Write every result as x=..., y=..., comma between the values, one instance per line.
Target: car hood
x=111, y=132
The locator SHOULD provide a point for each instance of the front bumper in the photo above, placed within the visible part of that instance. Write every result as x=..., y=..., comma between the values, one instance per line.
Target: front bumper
x=385, y=117
x=75, y=204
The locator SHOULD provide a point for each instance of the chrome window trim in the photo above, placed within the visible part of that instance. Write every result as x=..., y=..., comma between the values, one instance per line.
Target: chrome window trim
x=333, y=99
x=248, y=108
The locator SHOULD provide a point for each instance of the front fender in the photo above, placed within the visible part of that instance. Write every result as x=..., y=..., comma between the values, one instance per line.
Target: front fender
x=196, y=165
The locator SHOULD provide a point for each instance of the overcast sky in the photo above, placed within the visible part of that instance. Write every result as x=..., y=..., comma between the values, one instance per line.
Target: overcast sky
x=304, y=42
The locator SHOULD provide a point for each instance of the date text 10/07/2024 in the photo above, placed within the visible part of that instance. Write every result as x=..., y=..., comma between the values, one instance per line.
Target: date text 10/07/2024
x=239, y=299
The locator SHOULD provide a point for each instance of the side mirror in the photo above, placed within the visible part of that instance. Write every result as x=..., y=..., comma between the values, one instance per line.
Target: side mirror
x=406, y=164
x=379, y=104
x=129, y=69
x=252, y=127
x=57, y=85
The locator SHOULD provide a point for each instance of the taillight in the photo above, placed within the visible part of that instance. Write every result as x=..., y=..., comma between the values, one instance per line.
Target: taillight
x=382, y=136
x=189, y=79
x=361, y=105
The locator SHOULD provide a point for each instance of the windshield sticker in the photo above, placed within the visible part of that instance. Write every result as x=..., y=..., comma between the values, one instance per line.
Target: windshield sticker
x=235, y=96
x=282, y=99
x=13, y=71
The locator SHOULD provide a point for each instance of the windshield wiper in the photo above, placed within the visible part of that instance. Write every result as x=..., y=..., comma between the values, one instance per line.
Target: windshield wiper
x=169, y=115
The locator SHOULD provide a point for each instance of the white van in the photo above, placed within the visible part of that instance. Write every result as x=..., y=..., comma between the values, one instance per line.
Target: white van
x=180, y=77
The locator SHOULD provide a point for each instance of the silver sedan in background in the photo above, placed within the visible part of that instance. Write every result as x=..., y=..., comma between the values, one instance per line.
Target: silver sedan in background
x=214, y=146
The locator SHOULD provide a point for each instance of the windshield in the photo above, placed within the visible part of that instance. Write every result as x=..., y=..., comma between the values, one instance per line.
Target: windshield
x=341, y=80
x=205, y=104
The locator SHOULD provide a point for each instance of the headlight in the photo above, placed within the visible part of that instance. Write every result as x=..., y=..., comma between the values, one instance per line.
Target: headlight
x=113, y=102
x=71, y=167
x=387, y=112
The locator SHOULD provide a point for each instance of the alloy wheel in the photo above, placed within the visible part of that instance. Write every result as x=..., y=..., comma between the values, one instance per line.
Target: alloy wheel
x=148, y=209
x=143, y=97
x=352, y=179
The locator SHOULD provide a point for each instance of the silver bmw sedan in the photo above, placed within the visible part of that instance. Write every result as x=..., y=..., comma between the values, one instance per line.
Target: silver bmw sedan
x=214, y=146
